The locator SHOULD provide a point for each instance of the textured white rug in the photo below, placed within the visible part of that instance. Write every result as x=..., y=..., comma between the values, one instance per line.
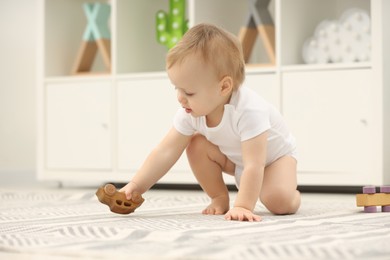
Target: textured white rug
x=72, y=223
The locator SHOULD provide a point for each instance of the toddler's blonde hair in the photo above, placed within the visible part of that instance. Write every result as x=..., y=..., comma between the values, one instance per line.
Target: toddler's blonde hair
x=216, y=46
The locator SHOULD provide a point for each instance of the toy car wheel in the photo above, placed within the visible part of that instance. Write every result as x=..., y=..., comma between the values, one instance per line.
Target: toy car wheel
x=370, y=209
x=109, y=189
x=386, y=208
x=385, y=189
x=369, y=190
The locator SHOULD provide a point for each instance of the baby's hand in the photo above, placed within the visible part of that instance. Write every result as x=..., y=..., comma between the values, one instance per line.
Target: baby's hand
x=241, y=214
x=129, y=189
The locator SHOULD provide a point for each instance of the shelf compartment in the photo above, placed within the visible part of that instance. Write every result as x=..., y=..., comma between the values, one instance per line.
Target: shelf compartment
x=299, y=19
x=137, y=49
x=231, y=17
x=78, y=125
x=333, y=123
x=64, y=25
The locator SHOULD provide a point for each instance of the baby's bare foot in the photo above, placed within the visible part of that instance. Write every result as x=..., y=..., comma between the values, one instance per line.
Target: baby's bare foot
x=218, y=206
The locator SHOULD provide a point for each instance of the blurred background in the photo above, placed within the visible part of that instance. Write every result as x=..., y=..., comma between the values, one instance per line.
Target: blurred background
x=18, y=25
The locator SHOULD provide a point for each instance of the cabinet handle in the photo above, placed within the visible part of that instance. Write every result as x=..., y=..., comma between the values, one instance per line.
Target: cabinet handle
x=105, y=125
x=364, y=121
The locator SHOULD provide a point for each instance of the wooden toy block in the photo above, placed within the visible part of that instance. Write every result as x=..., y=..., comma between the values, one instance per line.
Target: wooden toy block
x=96, y=38
x=259, y=22
x=370, y=199
x=117, y=201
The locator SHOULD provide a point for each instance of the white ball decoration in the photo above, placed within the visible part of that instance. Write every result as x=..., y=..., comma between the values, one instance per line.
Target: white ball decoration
x=175, y=25
x=163, y=39
x=174, y=39
x=175, y=11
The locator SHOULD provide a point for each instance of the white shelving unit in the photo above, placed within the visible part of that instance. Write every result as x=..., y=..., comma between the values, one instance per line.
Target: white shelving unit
x=99, y=128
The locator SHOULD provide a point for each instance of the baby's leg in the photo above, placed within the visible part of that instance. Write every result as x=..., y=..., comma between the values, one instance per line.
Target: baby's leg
x=279, y=191
x=207, y=163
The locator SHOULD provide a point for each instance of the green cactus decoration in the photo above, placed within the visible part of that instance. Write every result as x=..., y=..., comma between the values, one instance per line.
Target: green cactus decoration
x=171, y=27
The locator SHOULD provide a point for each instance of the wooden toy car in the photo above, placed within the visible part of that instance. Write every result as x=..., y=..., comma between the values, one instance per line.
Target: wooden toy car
x=117, y=201
x=370, y=199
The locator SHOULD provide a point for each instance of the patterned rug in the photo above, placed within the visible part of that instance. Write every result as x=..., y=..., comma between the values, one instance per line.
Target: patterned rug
x=72, y=223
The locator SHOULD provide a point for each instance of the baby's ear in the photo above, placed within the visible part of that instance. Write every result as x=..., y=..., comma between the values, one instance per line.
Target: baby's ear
x=226, y=85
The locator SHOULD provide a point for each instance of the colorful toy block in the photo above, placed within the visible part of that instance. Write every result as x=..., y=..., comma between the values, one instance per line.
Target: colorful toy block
x=96, y=37
x=117, y=201
x=370, y=199
x=171, y=27
x=258, y=22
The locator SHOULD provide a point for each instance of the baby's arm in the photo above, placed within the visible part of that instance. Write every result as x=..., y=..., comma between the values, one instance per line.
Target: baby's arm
x=158, y=163
x=254, y=157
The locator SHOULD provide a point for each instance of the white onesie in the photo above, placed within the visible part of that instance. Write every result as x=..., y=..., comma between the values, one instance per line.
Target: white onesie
x=246, y=116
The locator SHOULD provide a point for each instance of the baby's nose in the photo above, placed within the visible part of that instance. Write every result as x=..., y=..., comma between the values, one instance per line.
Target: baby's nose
x=181, y=98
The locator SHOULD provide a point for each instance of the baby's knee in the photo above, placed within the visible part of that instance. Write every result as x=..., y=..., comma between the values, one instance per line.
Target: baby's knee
x=196, y=145
x=281, y=201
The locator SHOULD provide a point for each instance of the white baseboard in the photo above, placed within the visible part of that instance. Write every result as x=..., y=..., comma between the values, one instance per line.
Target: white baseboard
x=17, y=176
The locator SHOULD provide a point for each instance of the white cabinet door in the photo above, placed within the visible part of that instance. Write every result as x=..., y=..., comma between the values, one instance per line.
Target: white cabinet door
x=146, y=108
x=266, y=85
x=330, y=113
x=78, y=134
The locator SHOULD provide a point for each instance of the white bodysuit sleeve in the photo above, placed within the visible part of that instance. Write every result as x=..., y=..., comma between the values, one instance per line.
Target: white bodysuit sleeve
x=253, y=123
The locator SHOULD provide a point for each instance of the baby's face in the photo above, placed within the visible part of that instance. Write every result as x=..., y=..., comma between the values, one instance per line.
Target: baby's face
x=198, y=88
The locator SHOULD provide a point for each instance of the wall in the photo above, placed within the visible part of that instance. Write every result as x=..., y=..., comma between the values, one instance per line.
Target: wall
x=17, y=89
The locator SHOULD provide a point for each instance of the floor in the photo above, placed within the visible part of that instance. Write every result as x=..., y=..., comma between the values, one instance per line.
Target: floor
x=328, y=202
x=28, y=182
x=158, y=197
